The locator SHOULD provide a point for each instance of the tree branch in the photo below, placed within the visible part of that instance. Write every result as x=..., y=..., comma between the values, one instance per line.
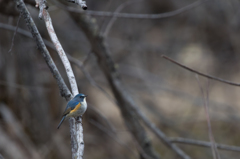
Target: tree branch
x=201, y=74
x=203, y=144
x=76, y=129
x=60, y=52
x=129, y=109
x=79, y=2
x=75, y=126
x=133, y=16
x=64, y=91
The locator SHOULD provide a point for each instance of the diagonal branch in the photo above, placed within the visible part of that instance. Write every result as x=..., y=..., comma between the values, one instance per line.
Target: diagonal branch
x=73, y=60
x=114, y=18
x=61, y=52
x=64, y=91
x=201, y=74
x=129, y=109
x=76, y=129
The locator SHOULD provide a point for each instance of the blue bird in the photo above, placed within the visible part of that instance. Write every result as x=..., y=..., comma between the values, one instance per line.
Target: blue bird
x=75, y=107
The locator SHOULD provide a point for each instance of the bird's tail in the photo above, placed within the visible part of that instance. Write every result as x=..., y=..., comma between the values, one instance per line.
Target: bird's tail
x=61, y=122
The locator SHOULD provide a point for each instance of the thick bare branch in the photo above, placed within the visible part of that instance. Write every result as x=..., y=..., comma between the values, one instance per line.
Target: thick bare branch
x=75, y=126
x=41, y=46
x=73, y=60
x=61, y=52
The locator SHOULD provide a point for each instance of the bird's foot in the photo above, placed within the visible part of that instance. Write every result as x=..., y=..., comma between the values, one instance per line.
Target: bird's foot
x=79, y=119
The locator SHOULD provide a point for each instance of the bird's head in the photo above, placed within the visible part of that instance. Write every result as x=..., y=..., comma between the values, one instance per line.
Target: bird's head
x=80, y=97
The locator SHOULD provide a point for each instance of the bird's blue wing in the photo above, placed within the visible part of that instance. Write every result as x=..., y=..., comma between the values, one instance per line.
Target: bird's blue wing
x=70, y=106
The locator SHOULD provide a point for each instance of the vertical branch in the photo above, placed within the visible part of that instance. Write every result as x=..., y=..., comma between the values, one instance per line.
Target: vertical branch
x=206, y=107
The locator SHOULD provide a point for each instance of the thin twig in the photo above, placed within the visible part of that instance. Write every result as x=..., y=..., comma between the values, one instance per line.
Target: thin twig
x=99, y=114
x=206, y=107
x=114, y=18
x=112, y=135
x=204, y=144
x=130, y=15
x=80, y=65
x=18, y=86
x=201, y=74
x=12, y=44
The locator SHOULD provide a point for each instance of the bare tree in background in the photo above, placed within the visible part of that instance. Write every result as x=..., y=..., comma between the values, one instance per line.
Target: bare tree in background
x=117, y=62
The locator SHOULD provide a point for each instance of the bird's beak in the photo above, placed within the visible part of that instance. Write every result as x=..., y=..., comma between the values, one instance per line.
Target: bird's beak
x=86, y=96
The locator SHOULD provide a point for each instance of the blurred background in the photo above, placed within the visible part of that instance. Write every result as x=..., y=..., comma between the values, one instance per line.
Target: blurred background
x=205, y=38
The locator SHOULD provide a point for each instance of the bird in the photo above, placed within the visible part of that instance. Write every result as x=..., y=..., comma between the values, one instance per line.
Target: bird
x=75, y=108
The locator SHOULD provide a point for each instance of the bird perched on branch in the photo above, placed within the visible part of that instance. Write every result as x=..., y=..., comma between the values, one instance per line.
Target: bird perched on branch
x=75, y=107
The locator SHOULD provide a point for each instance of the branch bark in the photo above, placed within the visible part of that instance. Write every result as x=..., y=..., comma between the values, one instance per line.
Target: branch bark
x=64, y=91
x=76, y=129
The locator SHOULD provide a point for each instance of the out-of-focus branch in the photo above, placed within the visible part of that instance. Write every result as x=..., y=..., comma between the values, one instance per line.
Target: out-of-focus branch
x=104, y=118
x=203, y=144
x=9, y=147
x=64, y=91
x=133, y=16
x=73, y=60
x=1, y=157
x=16, y=128
x=201, y=74
x=8, y=7
x=111, y=134
x=114, y=18
x=130, y=111
x=106, y=64
x=79, y=64
x=206, y=108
